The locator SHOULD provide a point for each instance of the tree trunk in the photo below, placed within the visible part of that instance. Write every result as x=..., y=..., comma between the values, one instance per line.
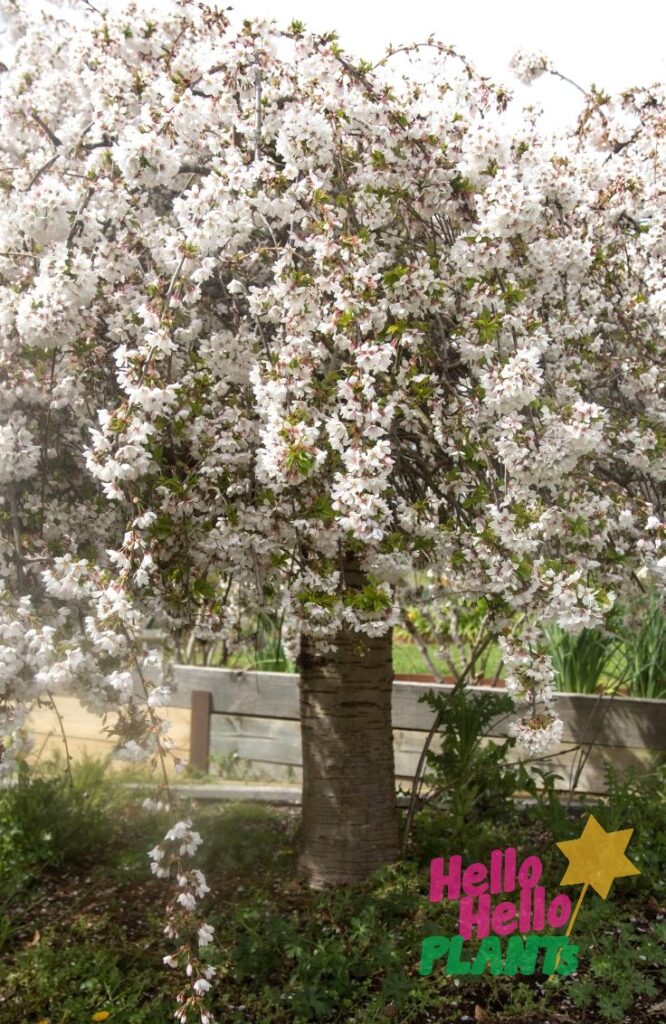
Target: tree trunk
x=350, y=820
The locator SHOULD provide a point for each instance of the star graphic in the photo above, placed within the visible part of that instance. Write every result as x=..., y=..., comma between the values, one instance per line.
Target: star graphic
x=597, y=857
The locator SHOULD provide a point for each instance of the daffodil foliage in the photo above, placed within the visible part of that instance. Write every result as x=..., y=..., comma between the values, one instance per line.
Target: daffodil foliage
x=264, y=308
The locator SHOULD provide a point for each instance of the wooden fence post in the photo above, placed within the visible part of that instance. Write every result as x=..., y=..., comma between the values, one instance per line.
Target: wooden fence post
x=200, y=729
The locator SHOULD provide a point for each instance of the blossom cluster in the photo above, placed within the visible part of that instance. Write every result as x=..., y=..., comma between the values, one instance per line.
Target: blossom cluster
x=184, y=925
x=391, y=324
x=264, y=312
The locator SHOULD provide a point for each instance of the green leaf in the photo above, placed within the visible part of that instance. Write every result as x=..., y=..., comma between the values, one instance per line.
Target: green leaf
x=204, y=589
x=394, y=274
x=300, y=459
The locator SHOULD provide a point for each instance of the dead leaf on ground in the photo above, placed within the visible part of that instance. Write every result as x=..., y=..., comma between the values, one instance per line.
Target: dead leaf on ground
x=652, y=907
x=293, y=885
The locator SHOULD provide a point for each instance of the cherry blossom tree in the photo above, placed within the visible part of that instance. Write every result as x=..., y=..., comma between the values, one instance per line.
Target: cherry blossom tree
x=277, y=326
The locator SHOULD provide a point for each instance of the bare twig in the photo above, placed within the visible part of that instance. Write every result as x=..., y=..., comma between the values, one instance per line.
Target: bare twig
x=257, y=123
x=460, y=683
x=45, y=446
x=194, y=169
x=558, y=74
x=77, y=225
x=154, y=718
x=585, y=750
x=16, y=534
x=45, y=128
x=42, y=170
x=86, y=3
x=61, y=724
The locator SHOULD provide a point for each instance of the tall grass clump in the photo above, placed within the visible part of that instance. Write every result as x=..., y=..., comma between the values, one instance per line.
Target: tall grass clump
x=582, y=660
x=644, y=652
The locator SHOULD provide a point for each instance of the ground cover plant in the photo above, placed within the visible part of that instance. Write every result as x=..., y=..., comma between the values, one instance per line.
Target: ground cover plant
x=81, y=935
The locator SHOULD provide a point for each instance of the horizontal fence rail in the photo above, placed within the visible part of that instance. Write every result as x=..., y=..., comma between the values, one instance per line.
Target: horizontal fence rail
x=255, y=716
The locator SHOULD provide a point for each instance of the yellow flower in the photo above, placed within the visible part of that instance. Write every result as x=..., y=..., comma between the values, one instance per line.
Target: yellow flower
x=101, y=1015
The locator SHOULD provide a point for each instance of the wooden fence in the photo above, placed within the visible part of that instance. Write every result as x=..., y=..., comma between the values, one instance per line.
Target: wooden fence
x=255, y=716
x=85, y=735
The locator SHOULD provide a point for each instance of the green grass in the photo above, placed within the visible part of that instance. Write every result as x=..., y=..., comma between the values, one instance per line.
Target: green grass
x=407, y=660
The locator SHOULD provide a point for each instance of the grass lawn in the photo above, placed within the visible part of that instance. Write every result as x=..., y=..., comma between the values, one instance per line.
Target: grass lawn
x=81, y=926
x=407, y=660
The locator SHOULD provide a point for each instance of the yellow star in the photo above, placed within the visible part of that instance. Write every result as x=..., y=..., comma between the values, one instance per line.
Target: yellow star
x=597, y=857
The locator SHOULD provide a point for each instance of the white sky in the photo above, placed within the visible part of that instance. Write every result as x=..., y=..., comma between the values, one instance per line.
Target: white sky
x=611, y=43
